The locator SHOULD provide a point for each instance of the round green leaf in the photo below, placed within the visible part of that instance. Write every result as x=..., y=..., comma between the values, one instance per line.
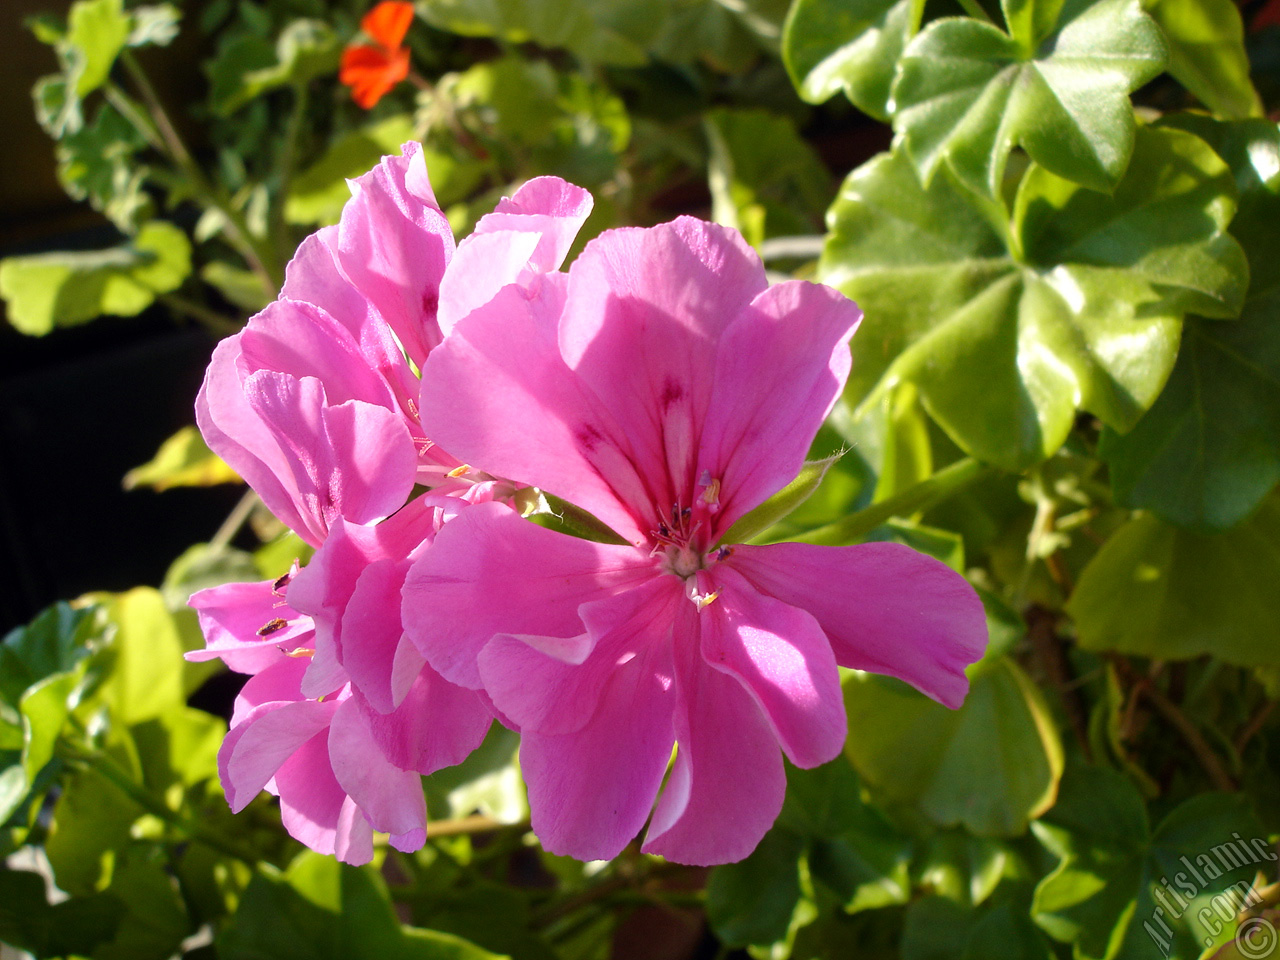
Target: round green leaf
x=851, y=47
x=967, y=93
x=1207, y=54
x=1156, y=591
x=992, y=765
x=1077, y=305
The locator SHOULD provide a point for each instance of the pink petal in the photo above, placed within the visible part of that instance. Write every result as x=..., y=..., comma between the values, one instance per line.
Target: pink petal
x=236, y=433
x=357, y=573
x=248, y=625
x=256, y=749
x=784, y=660
x=354, y=460
x=314, y=276
x=552, y=208
x=394, y=244
x=490, y=572
x=391, y=798
x=278, y=683
x=885, y=607
x=497, y=394
x=543, y=694
x=644, y=316
x=727, y=785
x=302, y=340
x=779, y=368
x=482, y=265
x=437, y=725
x=591, y=790
x=316, y=811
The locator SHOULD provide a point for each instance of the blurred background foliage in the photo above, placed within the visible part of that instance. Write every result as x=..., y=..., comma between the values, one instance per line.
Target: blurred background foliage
x=1062, y=220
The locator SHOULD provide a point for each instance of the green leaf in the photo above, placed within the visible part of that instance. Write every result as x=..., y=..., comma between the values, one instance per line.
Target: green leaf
x=183, y=460
x=306, y=49
x=144, y=677
x=967, y=93
x=1079, y=307
x=751, y=901
x=240, y=287
x=58, y=109
x=781, y=503
x=853, y=851
x=614, y=32
x=53, y=643
x=318, y=194
x=992, y=765
x=154, y=25
x=1207, y=54
x=92, y=820
x=851, y=47
x=323, y=909
x=50, y=290
x=97, y=163
x=1193, y=459
x=1154, y=590
x=765, y=181
x=74, y=927
x=1117, y=889
x=97, y=30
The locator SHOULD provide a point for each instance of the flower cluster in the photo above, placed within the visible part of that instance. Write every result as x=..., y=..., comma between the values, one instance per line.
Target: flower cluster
x=392, y=406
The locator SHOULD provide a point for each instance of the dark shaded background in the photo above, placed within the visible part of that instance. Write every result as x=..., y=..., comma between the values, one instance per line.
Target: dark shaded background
x=80, y=407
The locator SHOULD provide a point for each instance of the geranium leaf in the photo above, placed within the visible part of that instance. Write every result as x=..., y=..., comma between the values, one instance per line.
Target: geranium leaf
x=831, y=47
x=1154, y=590
x=1207, y=54
x=1110, y=893
x=1193, y=458
x=967, y=93
x=48, y=290
x=183, y=460
x=991, y=765
x=1077, y=305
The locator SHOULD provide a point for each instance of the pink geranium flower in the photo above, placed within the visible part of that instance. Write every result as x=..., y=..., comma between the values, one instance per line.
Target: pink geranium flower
x=664, y=386
x=314, y=403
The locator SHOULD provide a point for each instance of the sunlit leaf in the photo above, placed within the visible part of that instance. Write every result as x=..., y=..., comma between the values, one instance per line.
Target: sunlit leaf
x=1154, y=590
x=991, y=765
x=1084, y=311
x=1207, y=54
x=1057, y=85
x=48, y=290
x=98, y=31
x=831, y=47
x=183, y=460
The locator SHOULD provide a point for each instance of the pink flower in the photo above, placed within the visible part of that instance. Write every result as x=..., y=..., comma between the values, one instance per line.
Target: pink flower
x=314, y=403
x=664, y=386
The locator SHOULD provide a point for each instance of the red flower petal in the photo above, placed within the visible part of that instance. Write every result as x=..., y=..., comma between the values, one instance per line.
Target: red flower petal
x=372, y=71
x=388, y=22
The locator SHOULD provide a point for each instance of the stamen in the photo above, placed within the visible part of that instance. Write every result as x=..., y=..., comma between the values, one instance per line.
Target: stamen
x=703, y=600
x=724, y=553
x=711, y=495
x=300, y=652
x=272, y=625
x=459, y=471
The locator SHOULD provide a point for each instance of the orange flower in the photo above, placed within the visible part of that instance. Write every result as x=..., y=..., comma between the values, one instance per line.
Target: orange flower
x=370, y=70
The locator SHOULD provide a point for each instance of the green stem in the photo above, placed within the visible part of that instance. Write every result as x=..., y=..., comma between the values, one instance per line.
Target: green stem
x=235, y=520
x=164, y=136
x=974, y=9
x=927, y=493
x=288, y=160
x=211, y=320
x=106, y=768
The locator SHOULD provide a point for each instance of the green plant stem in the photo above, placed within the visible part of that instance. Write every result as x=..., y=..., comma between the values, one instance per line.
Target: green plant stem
x=164, y=136
x=974, y=9
x=235, y=520
x=469, y=826
x=942, y=485
x=211, y=320
x=106, y=768
x=288, y=160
